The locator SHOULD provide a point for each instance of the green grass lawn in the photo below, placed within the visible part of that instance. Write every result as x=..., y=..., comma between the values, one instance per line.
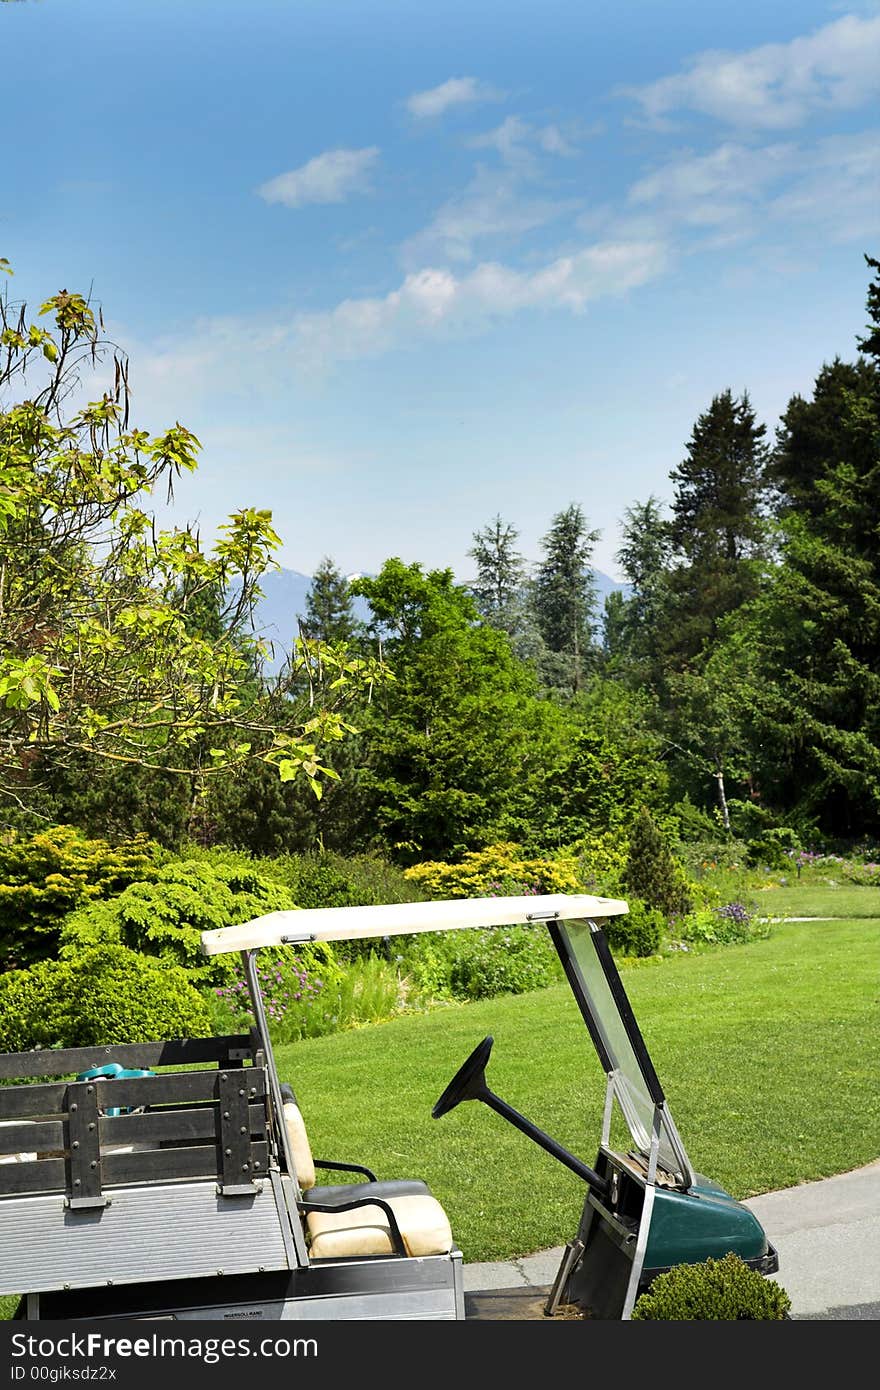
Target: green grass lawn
x=816, y=900
x=766, y=1052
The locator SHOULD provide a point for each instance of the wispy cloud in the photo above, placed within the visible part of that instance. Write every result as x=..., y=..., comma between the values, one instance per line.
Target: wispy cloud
x=328, y=178
x=437, y=303
x=247, y=360
x=516, y=141
x=777, y=85
x=457, y=91
x=740, y=190
x=493, y=207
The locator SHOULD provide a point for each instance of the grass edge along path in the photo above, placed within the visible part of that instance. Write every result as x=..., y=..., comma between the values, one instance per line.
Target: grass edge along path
x=764, y=1051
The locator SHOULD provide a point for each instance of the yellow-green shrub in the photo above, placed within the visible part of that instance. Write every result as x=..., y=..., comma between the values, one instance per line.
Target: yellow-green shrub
x=45, y=876
x=497, y=871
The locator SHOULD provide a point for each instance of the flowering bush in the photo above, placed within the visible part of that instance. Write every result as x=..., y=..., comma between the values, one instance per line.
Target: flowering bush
x=857, y=868
x=285, y=982
x=720, y=926
x=498, y=871
x=307, y=994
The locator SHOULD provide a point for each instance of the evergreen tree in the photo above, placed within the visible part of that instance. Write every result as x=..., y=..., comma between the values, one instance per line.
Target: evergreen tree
x=564, y=598
x=633, y=625
x=809, y=436
x=813, y=636
x=651, y=873
x=718, y=530
x=501, y=572
x=329, y=615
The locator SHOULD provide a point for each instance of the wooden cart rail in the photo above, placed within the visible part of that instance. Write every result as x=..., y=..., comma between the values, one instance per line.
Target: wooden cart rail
x=230, y=1051
x=210, y=1123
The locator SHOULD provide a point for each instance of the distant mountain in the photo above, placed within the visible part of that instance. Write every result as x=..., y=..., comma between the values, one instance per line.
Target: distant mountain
x=284, y=595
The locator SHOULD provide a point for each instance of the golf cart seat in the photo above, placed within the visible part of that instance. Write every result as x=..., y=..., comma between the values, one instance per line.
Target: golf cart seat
x=343, y=1220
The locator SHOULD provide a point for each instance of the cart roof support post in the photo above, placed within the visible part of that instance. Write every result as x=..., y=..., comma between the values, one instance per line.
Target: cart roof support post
x=261, y=1025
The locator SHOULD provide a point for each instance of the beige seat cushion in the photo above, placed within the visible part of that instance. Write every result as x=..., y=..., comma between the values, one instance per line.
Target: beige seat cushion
x=299, y=1145
x=364, y=1231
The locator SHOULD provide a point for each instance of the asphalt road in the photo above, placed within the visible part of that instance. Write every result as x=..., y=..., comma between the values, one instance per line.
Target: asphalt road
x=827, y=1234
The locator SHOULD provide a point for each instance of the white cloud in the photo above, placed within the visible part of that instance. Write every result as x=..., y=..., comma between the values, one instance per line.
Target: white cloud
x=458, y=91
x=777, y=85
x=248, y=361
x=551, y=139
x=434, y=302
x=328, y=178
x=737, y=190
x=515, y=140
x=835, y=192
x=492, y=206
x=708, y=189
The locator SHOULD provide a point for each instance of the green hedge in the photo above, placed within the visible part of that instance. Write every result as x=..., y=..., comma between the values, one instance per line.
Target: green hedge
x=103, y=995
x=723, y=1290
x=165, y=917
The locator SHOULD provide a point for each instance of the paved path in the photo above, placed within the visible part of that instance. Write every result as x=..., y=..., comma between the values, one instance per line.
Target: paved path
x=827, y=1234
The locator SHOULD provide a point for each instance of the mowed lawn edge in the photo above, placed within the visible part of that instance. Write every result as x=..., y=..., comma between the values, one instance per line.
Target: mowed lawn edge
x=766, y=1053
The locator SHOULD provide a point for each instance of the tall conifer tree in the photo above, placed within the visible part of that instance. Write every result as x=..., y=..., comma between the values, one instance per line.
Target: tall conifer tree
x=329, y=616
x=564, y=598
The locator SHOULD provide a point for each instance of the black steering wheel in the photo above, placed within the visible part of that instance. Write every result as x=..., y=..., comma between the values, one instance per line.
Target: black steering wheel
x=469, y=1072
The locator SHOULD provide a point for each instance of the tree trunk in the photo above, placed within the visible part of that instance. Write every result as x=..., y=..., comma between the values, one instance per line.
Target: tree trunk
x=725, y=814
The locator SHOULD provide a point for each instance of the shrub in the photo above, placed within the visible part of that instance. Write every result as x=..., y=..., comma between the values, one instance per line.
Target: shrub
x=773, y=848
x=692, y=822
x=307, y=999
x=320, y=883
x=723, y=1290
x=362, y=878
x=721, y=926
x=601, y=860
x=165, y=917
x=481, y=963
x=651, y=872
x=638, y=933
x=708, y=855
x=45, y=876
x=497, y=871
x=103, y=995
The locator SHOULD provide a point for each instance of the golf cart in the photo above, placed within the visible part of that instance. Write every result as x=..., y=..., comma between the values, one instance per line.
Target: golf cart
x=175, y=1179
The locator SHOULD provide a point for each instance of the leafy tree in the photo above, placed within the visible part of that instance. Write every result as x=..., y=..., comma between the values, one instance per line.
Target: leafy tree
x=718, y=528
x=98, y=656
x=454, y=744
x=564, y=598
x=329, y=616
x=612, y=761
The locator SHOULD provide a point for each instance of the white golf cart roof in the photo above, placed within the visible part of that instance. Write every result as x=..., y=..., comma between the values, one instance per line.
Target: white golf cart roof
x=396, y=919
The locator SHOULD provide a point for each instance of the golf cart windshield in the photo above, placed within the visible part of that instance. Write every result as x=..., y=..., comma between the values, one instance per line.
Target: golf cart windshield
x=597, y=987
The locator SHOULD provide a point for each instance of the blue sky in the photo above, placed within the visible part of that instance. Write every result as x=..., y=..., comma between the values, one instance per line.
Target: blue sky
x=403, y=266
